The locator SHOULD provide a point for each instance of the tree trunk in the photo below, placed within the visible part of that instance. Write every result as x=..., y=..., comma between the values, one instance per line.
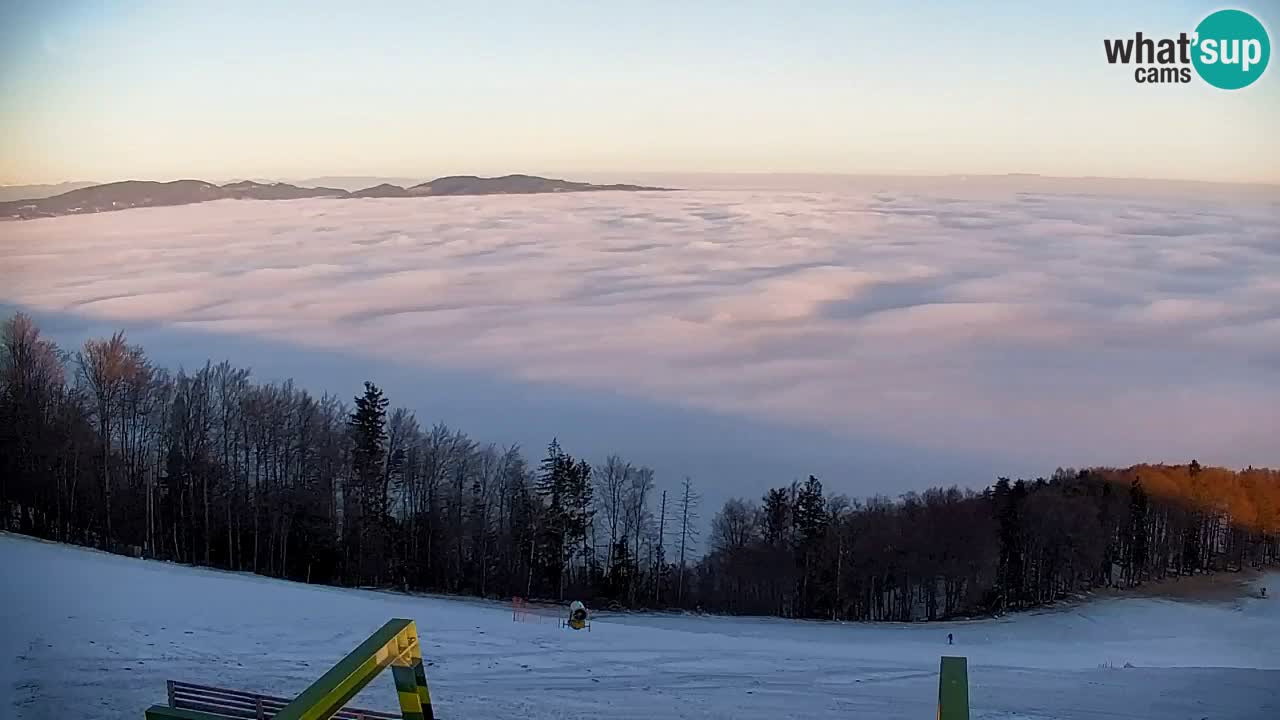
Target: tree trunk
x=106, y=476
x=208, y=531
x=657, y=571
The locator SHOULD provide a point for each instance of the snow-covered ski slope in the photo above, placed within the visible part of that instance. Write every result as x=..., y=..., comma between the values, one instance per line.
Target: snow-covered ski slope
x=90, y=635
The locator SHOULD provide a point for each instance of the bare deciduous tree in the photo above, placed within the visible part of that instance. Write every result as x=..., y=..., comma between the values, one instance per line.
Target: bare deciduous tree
x=104, y=366
x=213, y=467
x=687, y=509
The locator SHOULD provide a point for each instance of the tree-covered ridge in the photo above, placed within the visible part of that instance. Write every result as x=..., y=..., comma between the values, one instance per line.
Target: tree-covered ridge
x=1017, y=544
x=209, y=467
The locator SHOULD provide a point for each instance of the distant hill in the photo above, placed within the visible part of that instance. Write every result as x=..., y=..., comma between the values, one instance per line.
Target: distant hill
x=381, y=191
x=145, y=193
x=27, y=192
x=249, y=190
x=510, y=185
x=352, y=183
x=142, y=193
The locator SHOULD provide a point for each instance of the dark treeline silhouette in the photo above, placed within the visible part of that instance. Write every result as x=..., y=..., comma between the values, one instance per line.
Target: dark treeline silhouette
x=1018, y=544
x=102, y=448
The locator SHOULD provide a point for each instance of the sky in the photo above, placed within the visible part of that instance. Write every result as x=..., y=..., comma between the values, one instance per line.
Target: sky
x=103, y=90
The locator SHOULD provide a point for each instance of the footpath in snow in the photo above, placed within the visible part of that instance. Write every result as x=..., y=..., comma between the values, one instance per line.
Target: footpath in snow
x=85, y=634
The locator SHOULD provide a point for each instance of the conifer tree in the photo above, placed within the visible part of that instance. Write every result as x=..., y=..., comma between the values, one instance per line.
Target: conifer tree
x=368, y=427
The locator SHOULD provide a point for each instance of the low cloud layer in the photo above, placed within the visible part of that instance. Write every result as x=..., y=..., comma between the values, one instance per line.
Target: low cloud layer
x=1053, y=328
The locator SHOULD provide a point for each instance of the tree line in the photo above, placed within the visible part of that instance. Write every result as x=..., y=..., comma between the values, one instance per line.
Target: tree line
x=1018, y=544
x=103, y=448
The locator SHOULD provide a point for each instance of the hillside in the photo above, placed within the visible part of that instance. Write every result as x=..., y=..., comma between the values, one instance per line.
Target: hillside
x=142, y=193
x=381, y=191
x=798, y=552
x=510, y=185
x=144, y=622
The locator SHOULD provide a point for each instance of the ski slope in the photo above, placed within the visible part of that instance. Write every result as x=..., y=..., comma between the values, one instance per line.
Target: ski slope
x=88, y=635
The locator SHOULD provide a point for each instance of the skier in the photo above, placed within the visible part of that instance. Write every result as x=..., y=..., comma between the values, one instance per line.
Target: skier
x=949, y=638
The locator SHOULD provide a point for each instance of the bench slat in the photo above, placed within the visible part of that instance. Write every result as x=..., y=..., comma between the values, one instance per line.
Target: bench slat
x=213, y=696
x=215, y=700
x=343, y=714
x=249, y=705
x=209, y=688
x=223, y=710
x=203, y=695
x=245, y=705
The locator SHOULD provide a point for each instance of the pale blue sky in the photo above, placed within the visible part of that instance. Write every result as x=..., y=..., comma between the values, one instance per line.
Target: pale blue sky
x=110, y=90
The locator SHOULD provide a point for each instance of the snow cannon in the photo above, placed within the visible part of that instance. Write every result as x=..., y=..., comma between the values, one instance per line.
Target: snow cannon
x=578, y=616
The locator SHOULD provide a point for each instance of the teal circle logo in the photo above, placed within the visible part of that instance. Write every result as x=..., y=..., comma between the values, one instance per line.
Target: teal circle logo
x=1232, y=49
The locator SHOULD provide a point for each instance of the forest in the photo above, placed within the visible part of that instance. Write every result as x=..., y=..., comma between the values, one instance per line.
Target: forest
x=102, y=448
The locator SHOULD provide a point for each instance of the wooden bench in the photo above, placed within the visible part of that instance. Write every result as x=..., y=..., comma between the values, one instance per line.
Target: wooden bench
x=248, y=706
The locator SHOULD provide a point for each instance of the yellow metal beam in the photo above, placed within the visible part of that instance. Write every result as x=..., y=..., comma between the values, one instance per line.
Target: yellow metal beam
x=394, y=645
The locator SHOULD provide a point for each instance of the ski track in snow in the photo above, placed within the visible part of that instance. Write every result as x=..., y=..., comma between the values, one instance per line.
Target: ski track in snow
x=87, y=634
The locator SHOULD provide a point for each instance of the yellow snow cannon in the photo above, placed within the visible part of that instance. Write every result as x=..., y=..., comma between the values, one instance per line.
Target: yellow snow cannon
x=578, y=618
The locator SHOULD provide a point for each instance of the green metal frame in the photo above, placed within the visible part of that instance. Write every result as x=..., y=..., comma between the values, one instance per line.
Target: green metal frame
x=394, y=645
x=953, y=689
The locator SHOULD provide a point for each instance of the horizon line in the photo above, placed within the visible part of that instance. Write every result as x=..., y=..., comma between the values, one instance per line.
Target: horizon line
x=693, y=173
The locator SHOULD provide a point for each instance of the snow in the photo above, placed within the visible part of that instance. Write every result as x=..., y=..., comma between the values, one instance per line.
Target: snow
x=87, y=634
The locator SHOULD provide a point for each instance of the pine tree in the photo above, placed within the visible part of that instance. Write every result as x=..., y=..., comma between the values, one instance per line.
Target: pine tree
x=566, y=484
x=810, y=513
x=551, y=487
x=368, y=426
x=579, y=514
x=1008, y=509
x=777, y=517
x=368, y=423
x=549, y=479
x=810, y=518
x=620, y=573
x=778, y=540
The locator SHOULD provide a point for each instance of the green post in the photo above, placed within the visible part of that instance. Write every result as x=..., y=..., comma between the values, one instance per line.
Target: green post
x=411, y=688
x=953, y=689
